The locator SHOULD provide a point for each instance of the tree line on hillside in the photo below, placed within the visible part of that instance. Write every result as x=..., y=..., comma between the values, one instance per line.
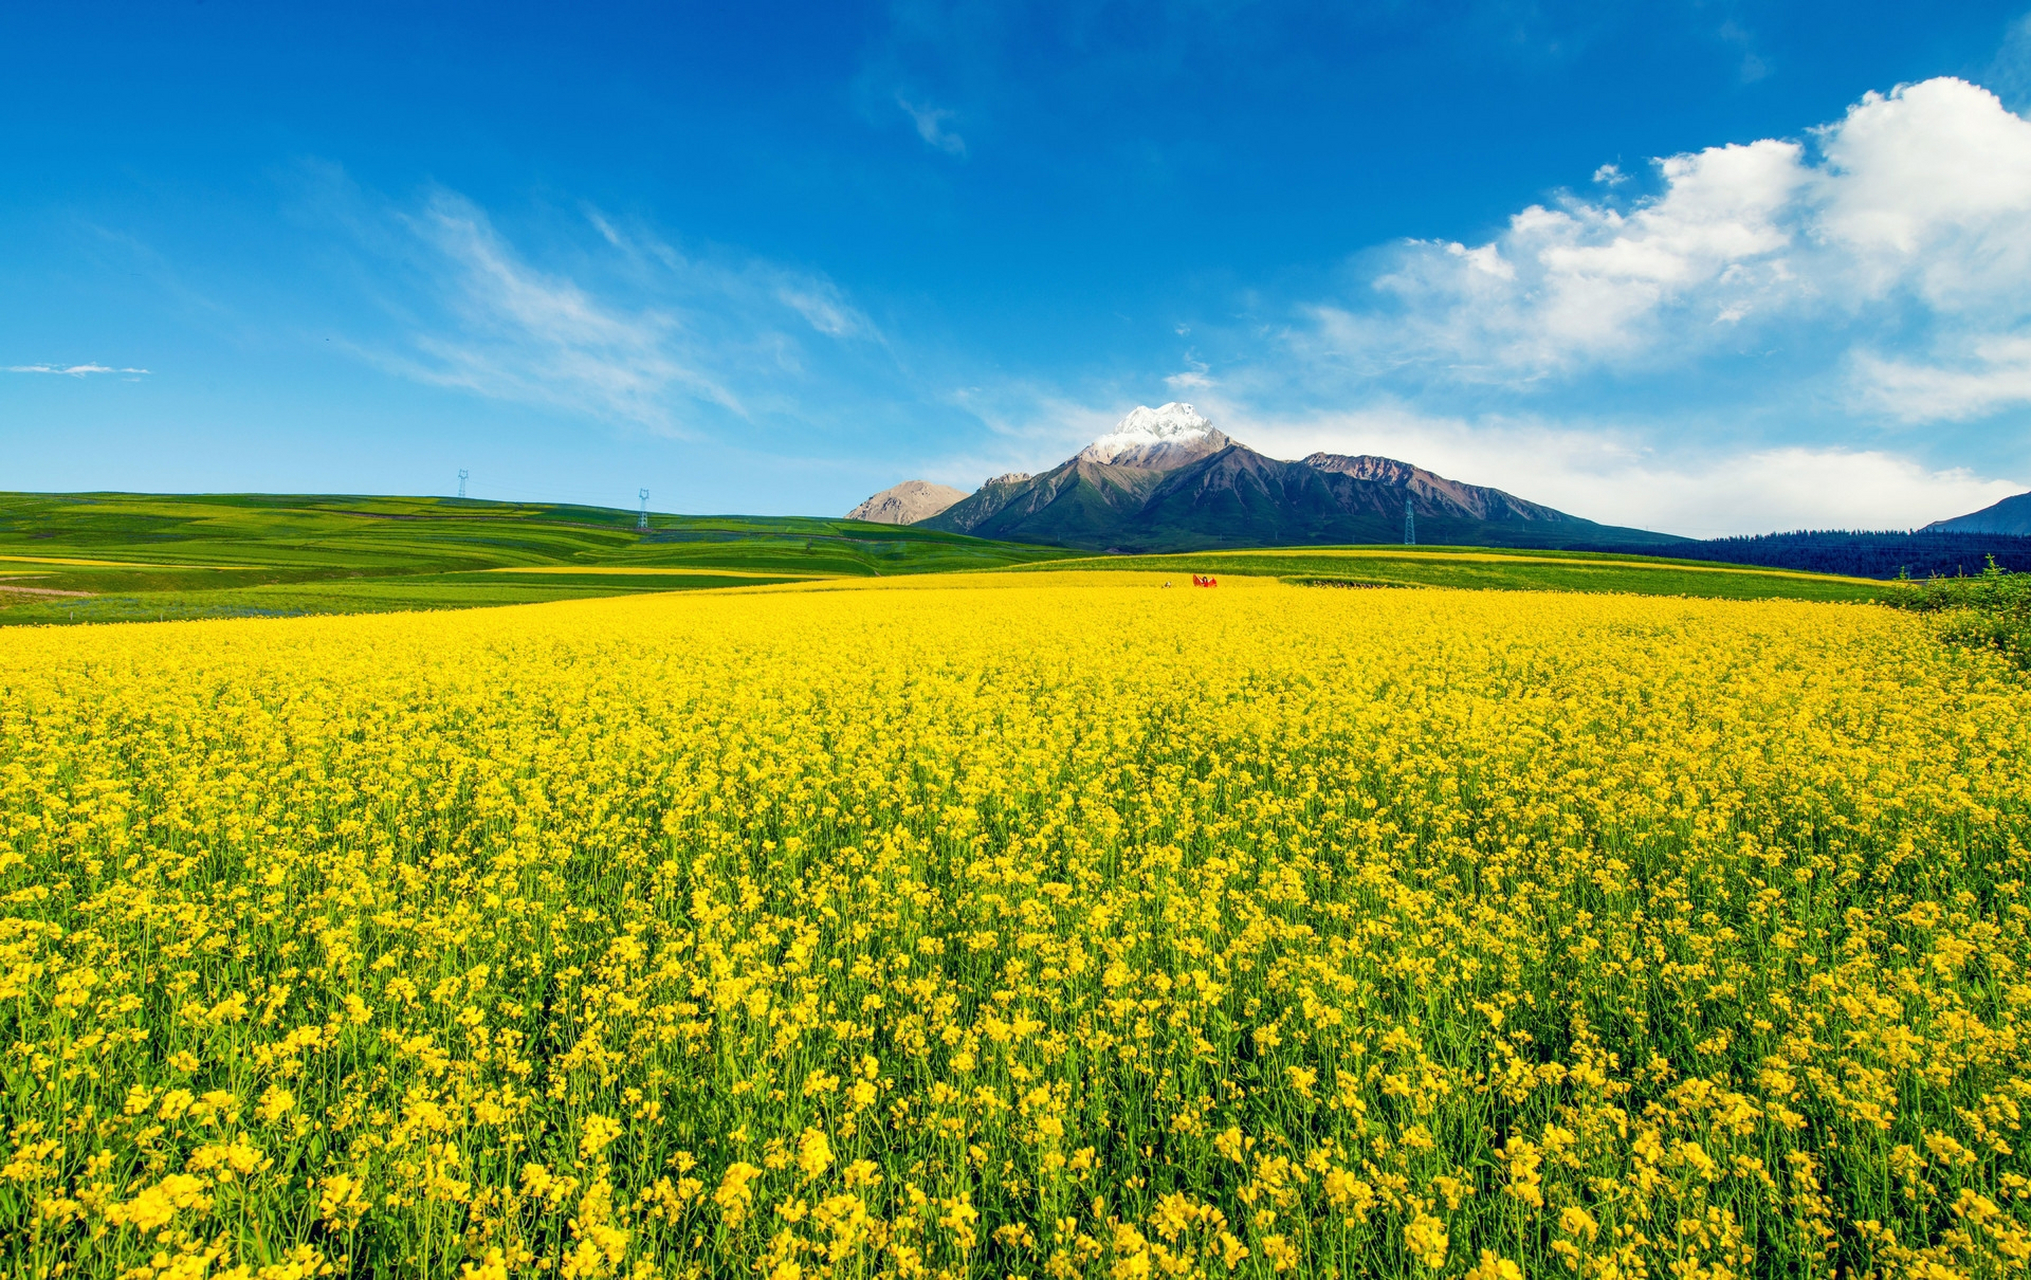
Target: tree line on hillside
x=1857, y=553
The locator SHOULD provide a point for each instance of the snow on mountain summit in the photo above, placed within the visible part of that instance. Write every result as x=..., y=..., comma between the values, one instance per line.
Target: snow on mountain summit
x=1147, y=426
x=1166, y=436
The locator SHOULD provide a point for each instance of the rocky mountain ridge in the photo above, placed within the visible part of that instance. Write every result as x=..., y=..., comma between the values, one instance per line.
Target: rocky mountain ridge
x=910, y=502
x=1167, y=479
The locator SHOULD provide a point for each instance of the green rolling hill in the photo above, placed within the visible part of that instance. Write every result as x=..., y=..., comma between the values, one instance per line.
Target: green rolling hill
x=103, y=557
x=111, y=557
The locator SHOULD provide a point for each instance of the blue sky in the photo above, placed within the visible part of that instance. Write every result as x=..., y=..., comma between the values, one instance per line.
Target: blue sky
x=1708, y=267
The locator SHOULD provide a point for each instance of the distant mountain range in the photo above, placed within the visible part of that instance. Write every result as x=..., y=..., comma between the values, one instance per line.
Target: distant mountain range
x=1167, y=479
x=2011, y=515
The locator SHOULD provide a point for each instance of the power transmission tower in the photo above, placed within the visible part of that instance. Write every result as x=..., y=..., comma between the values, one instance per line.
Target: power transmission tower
x=642, y=521
x=1409, y=525
x=461, y=483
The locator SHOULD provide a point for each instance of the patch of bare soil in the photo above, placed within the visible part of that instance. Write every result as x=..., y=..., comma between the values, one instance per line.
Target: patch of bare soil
x=10, y=593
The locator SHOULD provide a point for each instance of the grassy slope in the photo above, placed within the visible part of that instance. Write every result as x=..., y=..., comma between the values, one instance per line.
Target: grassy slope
x=140, y=556
x=145, y=557
x=1504, y=569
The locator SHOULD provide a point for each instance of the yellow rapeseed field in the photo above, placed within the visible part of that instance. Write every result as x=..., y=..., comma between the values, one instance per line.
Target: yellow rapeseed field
x=1047, y=925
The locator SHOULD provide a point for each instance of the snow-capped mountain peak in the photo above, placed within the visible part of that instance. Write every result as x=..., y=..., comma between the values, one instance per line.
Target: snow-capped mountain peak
x=1166, y=436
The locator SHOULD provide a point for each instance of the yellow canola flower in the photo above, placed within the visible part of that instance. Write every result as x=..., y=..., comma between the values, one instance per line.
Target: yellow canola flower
x=597, y=1134
x=814, y=1152
x=1424, y=1236
x=156, y=1206
x=1491, y=1267
x=1025, y=924
x=735, y=1195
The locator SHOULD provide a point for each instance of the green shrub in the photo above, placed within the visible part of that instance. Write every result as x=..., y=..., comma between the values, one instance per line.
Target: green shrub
x=1991, y=610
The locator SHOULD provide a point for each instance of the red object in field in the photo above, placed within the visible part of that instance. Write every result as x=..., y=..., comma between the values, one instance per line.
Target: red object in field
x=1198, y=581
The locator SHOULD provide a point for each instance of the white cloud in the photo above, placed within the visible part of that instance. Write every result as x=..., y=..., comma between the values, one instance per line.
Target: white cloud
x=526, y=335
x=824, y=308
x=1930, y=187
x=1913, y=210
x=930, y=122
x=1997, y=375
x=1582, y=283
x=638, y=333
x=1613, y=477
x=71, y=370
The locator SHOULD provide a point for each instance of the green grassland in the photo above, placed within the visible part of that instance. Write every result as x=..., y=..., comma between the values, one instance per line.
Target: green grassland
x=1504, y=569
x=109, y=557
x=106, y=557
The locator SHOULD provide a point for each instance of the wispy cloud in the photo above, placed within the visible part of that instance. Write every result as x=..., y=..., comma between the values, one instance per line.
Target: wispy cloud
x=2010, y=73
x=70, y=370
x=930, y=122
x=824, y=308
x=1754, y=66
x=1029, y=426
x=751, y=282
x=523, y=334
x=1994, y=373
x=628, y=328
